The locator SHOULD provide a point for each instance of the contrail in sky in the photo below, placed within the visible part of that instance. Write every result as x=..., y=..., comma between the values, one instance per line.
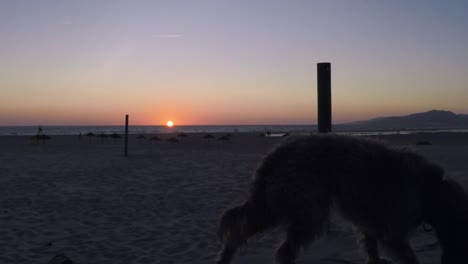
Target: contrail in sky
x=171, y=36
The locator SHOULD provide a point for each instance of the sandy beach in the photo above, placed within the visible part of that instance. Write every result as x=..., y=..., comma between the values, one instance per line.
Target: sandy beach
x=161, y=204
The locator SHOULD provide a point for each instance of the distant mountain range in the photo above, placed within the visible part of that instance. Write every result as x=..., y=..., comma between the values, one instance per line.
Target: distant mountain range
x=434, y=119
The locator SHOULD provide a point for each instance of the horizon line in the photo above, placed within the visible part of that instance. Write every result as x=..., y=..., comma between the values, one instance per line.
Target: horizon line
x=163, y=125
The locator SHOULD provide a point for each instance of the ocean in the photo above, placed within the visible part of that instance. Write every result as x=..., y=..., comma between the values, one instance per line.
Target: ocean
x=76, y=130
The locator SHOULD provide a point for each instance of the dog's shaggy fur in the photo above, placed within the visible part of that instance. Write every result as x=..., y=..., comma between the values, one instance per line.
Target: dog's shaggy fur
x=386, y=193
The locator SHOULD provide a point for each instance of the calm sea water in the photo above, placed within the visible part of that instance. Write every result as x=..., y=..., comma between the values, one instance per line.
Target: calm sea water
x=76, y=130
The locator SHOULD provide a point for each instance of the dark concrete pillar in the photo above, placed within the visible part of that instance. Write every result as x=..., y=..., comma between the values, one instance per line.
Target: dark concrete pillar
x=324, y=97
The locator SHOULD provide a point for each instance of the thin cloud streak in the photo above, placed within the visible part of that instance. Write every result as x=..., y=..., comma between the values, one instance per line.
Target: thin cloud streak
x=170, y=36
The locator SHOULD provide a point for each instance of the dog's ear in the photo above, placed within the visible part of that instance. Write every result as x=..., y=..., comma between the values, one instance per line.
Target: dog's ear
x=432, y=177
x=455, y=193
x=426, y=173
x=464, y=213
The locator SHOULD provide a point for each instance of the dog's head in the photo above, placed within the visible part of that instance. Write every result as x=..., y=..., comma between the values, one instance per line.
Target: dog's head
x=448, y=214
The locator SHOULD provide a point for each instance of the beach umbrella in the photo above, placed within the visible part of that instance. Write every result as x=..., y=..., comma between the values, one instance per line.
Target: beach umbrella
x=90, y=135
x=140, y=137
x=224, y=138
x=155, y=138
x=173, y=140
x=182, y=135
x=102, y=136
x=208, y=137
x=115, y=136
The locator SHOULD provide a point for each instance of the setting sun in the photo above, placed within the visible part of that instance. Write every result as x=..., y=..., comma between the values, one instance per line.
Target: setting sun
x=170, y=123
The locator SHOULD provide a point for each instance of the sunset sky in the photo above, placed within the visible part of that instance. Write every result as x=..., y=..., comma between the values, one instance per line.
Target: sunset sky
x=228, y=62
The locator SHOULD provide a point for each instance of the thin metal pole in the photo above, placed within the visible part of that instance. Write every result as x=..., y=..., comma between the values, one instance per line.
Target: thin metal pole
x=324, y=97
x=126, y=136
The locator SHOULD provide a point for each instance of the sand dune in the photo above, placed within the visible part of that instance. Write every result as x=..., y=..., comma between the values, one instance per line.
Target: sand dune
x=162, y=203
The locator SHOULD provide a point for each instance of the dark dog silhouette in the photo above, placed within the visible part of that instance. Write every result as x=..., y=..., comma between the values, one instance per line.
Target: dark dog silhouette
x=386, y=193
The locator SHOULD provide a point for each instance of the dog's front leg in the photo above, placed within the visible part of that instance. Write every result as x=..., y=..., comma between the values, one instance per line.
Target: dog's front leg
x=370, y=248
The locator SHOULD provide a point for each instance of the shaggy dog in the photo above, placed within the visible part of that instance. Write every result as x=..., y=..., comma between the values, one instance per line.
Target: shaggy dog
x=386, y=193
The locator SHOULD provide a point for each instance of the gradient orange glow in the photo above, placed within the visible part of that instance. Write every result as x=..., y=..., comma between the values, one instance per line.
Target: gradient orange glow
x=168, y=60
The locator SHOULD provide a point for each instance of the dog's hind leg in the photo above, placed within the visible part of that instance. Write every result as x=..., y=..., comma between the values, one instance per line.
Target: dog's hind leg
x=400, y=250
x=300, y=232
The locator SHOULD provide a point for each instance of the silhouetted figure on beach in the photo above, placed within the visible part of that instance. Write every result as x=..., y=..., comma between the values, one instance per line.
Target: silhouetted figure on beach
x=386, y=193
